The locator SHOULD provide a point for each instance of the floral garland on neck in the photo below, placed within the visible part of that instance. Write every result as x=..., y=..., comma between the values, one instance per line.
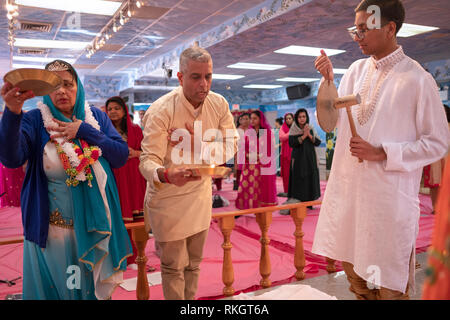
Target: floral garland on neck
x=76, y=161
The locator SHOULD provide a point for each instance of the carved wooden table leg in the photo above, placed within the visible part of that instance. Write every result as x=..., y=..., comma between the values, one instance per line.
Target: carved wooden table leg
x=331, y=267
x=226, y=225
x=140, y=238
x=298, y=215
x=264, y=220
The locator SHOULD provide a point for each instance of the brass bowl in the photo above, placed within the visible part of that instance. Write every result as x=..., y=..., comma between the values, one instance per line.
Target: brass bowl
x=214, y=172
x=40, y=81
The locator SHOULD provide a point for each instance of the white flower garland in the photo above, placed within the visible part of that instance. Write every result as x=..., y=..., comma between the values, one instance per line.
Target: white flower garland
x=47, y=118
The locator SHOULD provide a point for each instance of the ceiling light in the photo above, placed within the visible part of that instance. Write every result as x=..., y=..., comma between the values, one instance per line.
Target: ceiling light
x=308, y=51
x=51, y=44
x=409, y=30
x=217, y=76
x=80, y=32
x=21, y=65
x=256, y=66
x=262, y=86
x=101, y=7
x=290, y=79
x=164, y=88
x=138, y=4
x=121, y=21
x=338, y=71
x=41, y=59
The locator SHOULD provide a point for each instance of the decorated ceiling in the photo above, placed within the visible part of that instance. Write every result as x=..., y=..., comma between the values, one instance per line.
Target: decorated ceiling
x=137, y=57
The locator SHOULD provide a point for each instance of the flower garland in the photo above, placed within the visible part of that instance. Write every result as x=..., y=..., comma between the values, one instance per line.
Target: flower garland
x=87, y=157
x=76, y=161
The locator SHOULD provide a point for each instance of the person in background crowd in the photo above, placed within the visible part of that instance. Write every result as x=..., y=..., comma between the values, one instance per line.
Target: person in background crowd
x=242, y=125
x=286, y=152
x=304, y=181
x=130, y=182
x=10, y=185
x=257, y=187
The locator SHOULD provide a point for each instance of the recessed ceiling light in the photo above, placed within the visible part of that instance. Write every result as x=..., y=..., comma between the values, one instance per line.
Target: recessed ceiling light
x=256, y=66
x=107, y=8
x=218, y=76
x=338, y=71
x=41, y=59
x=163, y=88
x=262, y=86
x=53, y=44
x=21, y=65
x=308, y=51
x=290, y=79
x=80, y=31
x=409, y=30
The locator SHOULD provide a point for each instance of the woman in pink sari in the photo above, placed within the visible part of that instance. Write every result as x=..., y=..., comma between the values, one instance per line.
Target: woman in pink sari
x=130, y=182
x=257, y=186
x=286, y=150
x=10, y=186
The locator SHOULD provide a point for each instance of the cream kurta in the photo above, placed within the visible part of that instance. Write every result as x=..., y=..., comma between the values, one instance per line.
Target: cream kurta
x=173, y=212
x=370, y=211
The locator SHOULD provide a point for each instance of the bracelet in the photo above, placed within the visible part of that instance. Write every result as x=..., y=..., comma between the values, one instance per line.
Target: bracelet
x=166, y=176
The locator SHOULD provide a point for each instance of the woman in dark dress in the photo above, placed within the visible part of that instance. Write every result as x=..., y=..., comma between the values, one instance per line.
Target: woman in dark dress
x=304, y=183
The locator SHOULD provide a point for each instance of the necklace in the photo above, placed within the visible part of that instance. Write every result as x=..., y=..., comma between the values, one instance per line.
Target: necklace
x=386, y=65
x=75, y=160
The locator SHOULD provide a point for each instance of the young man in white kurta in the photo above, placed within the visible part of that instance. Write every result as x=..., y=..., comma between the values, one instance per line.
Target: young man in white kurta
x=179, y=210
x=370, y=211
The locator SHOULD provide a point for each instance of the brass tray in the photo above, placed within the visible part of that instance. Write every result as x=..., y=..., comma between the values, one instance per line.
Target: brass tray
x=40, y=81
x=213, y=171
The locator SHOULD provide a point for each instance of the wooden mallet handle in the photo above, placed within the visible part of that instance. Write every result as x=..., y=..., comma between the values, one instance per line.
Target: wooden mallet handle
x=346, y=102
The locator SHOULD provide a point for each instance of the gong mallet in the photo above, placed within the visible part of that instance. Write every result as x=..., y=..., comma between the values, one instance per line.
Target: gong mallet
x=328, y=102
x=347, y=102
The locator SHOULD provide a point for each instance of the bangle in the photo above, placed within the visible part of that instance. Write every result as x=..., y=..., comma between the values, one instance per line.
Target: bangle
x=166, y=176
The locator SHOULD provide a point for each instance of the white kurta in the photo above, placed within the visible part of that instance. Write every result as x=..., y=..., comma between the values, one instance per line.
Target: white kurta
x=370, y=211
x=173, y=212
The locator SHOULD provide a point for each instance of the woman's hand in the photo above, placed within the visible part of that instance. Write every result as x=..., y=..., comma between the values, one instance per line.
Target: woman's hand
x=306, y=134
x=14, y=99
x=133, y=153
x=67, y=130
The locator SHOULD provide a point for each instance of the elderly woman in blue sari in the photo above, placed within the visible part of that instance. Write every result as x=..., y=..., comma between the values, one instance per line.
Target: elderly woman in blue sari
x=75, y=244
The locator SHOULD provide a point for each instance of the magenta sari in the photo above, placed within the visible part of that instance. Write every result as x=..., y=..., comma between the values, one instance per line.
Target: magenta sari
x=286, y=152
x=10, y=186
x=257, y=185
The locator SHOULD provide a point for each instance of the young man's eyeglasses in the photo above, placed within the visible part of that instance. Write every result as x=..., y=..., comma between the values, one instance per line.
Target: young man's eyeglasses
x=357, y=34
x=361, y=34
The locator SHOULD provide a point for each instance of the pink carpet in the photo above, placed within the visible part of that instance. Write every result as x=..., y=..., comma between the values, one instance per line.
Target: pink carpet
x=245, y=253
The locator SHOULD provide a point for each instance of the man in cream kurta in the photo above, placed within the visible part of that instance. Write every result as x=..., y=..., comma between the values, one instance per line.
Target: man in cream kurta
x=180, y=213
x=370, y=211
